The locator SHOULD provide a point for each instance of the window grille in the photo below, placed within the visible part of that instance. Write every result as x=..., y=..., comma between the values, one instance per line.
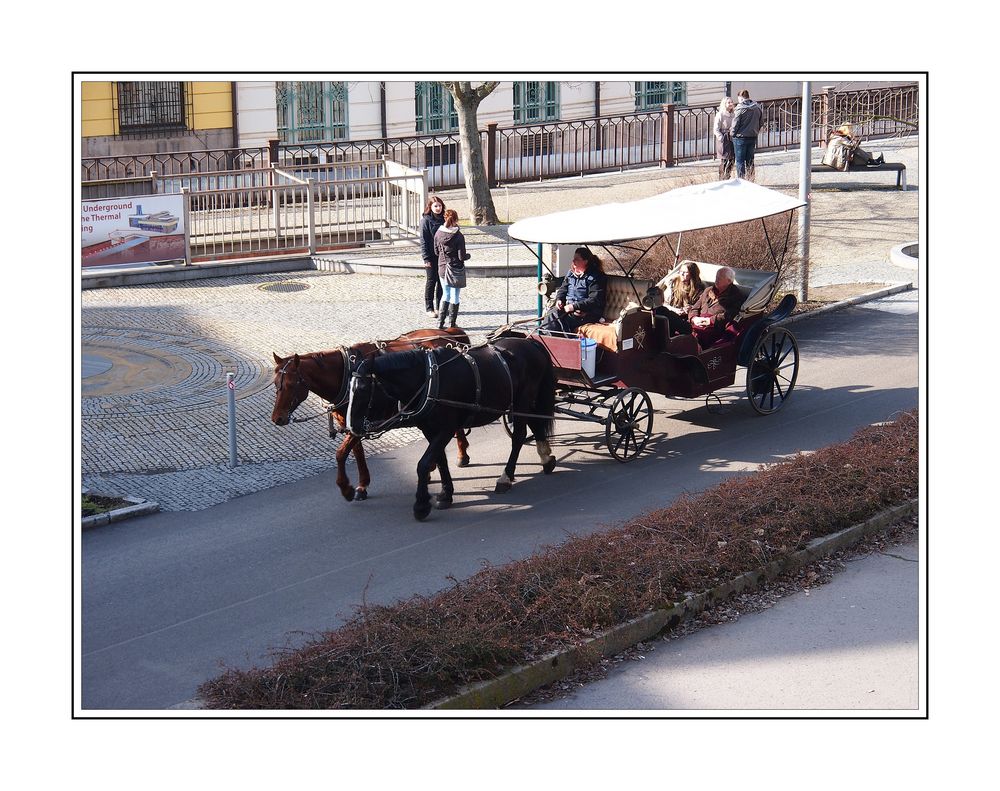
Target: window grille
x=652, y=95
x=145, y=107
x=446, y=154
x=536, y=145
x=536, y=101
x=435, y=108
x=311, y=112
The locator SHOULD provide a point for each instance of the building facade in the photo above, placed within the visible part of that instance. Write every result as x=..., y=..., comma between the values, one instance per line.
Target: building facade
x=131, y=118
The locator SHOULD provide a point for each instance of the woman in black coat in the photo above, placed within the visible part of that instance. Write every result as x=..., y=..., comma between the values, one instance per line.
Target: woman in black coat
x=433, y=219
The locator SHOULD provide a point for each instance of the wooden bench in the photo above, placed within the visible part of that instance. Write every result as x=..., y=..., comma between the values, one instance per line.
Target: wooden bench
x=898, y=167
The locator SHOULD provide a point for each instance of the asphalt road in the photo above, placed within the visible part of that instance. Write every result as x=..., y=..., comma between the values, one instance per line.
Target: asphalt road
x=168, y=597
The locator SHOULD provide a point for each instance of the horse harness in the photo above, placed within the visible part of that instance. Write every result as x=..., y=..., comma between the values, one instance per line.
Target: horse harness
x=429, y=390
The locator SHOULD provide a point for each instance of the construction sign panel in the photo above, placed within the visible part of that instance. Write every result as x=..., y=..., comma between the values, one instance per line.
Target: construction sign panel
x=139, y=230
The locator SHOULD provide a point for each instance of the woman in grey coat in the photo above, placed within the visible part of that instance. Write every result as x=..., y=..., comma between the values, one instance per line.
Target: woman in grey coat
x=449, y=244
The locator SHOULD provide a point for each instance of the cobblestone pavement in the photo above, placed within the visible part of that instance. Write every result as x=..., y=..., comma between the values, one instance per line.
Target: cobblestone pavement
x=154, y=424
x=154, y=405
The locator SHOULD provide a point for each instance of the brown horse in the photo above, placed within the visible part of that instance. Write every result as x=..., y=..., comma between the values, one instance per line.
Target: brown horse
x=327, y=374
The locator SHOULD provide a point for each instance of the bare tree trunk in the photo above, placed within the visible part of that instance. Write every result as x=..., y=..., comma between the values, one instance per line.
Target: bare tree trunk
x=467, y=100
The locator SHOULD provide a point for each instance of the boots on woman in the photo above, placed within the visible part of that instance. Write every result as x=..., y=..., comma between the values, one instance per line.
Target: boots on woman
x=443, y=313
x=452, y=315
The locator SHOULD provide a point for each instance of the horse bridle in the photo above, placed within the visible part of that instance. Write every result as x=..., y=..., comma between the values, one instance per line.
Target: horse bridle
x=280, y=385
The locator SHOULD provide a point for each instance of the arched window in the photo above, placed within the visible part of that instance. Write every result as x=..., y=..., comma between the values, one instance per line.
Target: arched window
x=311, y=112
x=536, y=101
x=435, y=108
x=652, y=95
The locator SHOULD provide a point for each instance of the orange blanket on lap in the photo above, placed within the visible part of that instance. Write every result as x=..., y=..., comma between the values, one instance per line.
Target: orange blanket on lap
x=604, y=334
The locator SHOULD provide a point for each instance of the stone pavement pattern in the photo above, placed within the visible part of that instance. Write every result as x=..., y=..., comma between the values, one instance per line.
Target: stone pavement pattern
x=154, y=414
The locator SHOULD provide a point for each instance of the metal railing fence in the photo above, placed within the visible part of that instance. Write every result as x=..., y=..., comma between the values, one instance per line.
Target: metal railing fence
x=662, y=137
x=276, y=212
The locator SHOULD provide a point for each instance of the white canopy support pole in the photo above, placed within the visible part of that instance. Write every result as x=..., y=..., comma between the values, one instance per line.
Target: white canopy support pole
x=805, y=186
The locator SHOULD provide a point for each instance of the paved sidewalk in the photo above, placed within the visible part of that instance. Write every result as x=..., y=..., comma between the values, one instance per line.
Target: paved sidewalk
x=155, y=357
x=850, y=645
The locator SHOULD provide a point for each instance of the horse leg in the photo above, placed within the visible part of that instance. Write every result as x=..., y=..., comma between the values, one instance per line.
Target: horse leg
x=435, y=450
x=343, y=482
x=463, y=448
x=445, y=496
x=364, y=476
x=506, y=479
x=542, y=446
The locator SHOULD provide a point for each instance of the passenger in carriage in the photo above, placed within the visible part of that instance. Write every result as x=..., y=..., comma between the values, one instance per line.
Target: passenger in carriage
x=581, y=297
x=718, y=305
x=685, y=288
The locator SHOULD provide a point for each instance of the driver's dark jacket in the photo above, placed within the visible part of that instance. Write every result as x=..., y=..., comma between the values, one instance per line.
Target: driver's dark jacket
x=587, y=293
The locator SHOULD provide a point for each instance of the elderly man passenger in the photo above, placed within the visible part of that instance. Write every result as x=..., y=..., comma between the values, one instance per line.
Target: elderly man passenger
x=715, y=308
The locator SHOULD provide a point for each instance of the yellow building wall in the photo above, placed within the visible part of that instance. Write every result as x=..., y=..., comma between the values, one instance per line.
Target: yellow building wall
x=211, y=105
x=97, y=112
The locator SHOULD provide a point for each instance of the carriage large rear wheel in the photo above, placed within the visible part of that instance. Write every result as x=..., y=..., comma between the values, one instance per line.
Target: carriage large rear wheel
x=629, y=423
x=772, y=371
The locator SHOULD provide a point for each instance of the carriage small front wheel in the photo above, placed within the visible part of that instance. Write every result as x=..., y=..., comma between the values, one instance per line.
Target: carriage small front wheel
x=772, y=371
x=629, y=423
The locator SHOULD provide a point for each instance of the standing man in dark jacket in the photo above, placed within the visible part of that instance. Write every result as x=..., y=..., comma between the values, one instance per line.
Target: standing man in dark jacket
x=747, y=119
x=433, y=219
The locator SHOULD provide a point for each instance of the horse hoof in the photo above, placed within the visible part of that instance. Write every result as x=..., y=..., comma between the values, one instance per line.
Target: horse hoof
x=464, y=461
x=360, y=494
x=549, y=465
x=502, y=487
x=442, y=502
x=349, y=494
x=421, y=511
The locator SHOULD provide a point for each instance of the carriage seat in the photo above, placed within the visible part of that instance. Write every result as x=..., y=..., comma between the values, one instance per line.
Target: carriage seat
x=620, y=300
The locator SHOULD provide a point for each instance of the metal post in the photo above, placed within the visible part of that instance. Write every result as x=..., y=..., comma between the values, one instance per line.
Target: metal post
x=186, y=202
x=805, y=185
x=538, y=277
x=311, y=218
x=491, y=154
x=231, y=389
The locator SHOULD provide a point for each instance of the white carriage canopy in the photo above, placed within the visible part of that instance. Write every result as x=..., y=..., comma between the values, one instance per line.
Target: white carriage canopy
x=684, y=209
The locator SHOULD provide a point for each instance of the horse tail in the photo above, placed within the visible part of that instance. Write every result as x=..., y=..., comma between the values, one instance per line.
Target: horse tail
x=545, y=398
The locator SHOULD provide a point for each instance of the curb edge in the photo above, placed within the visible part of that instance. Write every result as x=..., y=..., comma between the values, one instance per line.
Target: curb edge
x=521, y=680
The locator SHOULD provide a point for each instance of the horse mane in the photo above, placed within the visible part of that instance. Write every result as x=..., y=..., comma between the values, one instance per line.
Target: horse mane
x=399, y=361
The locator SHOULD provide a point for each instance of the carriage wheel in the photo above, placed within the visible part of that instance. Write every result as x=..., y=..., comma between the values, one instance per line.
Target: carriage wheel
x=629, y=423
x=509, y=428
x=507, y=425
x=772, y=371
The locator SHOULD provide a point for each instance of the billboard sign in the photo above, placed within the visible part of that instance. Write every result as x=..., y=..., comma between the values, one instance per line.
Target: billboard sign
x=146, y=229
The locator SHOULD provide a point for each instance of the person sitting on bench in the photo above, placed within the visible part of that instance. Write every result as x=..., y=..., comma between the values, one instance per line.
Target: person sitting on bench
x=844, y=151
x=707, y=318
x=581, y=297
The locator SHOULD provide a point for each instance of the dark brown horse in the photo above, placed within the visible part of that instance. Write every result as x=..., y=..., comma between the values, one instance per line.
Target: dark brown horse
x=441, y=391
x=327, y=374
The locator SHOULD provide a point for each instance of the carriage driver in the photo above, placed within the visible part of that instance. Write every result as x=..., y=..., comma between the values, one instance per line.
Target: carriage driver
x=580, y=299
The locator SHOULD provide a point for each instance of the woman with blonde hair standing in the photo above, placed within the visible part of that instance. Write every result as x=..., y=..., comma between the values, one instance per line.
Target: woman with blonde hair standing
x=722, y=129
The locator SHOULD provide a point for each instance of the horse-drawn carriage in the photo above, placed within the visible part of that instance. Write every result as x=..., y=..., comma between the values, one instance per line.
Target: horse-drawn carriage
x=528, y=376
x=607, y=370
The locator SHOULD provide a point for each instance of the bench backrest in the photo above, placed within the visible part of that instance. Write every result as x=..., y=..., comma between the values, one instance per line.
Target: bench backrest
x=620, y=295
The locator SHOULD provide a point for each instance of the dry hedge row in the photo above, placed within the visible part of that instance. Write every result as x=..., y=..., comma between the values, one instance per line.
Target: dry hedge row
x=411, y=653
